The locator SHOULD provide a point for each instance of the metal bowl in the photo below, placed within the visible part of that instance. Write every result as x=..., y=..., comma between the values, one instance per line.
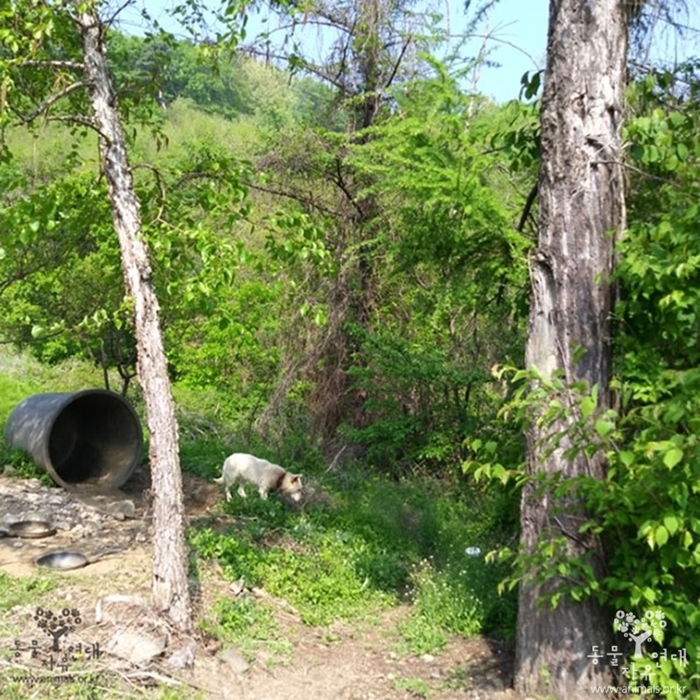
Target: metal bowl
x=29, y=529
x=65, y=561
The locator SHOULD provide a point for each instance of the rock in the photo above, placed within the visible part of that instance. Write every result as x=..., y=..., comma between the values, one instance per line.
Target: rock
x=184, y=657
x=135, y=647
x=41, y=516
x=122, y=509
x=111, y=608
x=235, y=661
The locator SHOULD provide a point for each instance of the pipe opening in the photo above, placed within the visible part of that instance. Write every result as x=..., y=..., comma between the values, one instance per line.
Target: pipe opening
x=91, y=436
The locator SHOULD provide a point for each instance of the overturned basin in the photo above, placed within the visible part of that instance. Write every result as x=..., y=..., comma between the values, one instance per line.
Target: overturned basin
x=88, y=436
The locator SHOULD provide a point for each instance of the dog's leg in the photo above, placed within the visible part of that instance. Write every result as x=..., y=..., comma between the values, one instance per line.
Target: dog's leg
x=241, y=492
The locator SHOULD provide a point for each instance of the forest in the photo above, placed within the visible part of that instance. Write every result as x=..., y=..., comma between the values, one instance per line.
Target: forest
x=343, y=251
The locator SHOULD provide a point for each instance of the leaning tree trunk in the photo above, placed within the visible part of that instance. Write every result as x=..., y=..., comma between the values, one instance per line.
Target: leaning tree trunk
x=581, y=212
x=169, y=584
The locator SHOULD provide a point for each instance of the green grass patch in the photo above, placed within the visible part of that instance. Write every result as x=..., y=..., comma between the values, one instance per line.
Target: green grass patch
x=382, y=542
x=249, y=625
x=446, y=602
x=417, y=687
x=22, y=591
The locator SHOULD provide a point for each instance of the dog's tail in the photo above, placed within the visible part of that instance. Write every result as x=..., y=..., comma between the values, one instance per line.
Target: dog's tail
x=220, y=480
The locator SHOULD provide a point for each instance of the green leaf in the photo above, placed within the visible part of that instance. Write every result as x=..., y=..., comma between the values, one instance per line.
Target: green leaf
x=627, y=458
x=672, y=457
x=604, y=427
x=587, y=406
x=661, y=535
x=672, y=524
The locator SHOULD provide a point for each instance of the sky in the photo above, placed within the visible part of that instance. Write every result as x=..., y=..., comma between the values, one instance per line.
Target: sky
x=517, y=42
x=513, y=33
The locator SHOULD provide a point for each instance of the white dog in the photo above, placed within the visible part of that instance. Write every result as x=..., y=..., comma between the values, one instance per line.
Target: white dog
x=265, y=475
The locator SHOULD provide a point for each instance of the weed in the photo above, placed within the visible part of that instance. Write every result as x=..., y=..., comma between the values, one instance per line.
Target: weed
x=237, y=556
x=323, y=581
x=450, y=600
x=22, y=591
x=459, y=679
x=416, y=686
x=249, y=625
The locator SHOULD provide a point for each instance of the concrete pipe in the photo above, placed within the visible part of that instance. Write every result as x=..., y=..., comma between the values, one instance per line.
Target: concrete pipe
x=89, y=436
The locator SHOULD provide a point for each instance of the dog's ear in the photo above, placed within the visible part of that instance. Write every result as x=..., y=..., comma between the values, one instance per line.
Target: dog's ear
x=296, y=479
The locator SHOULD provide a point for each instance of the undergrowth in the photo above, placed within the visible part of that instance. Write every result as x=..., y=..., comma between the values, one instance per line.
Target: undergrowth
x=368, y=542
x=373, y=544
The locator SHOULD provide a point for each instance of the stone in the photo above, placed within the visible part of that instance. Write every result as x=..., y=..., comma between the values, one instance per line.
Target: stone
x=122, y=509
x=235, y=661
x=135, y=647
x=183, y=657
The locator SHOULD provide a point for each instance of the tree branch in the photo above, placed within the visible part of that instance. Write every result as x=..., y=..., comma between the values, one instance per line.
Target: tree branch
x=526, y=209
x=305, y=65
x=44, y=107
x=87, y=122
x=161, y=187
x=296, y=197
x=395, y=70
x=340, y=182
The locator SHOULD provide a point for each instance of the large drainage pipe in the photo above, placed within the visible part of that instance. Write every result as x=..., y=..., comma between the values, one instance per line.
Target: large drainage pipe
x=89, y=436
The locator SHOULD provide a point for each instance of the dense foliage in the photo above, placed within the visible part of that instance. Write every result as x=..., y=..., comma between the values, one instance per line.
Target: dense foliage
x=313, y=274
x=646, y=510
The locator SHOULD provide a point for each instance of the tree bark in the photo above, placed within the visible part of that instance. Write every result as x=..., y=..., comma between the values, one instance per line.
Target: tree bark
x=169, y=583
x=582, y=212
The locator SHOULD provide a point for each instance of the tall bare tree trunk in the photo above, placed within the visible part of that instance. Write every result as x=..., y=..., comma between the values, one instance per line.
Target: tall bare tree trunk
x=169, y=584
x=581, y=212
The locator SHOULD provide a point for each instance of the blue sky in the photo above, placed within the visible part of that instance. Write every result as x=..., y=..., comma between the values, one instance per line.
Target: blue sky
x=517, y=31
x=514, y=34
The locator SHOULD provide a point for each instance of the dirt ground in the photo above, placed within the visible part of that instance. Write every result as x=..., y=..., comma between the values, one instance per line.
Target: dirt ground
x=355, y=661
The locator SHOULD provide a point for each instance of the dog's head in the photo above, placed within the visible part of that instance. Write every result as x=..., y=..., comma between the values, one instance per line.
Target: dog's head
x=291, y=486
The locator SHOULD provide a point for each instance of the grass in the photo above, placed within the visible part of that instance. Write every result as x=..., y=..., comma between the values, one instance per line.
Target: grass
x=249, y=625
x=417, y=687
x=381, y=543
x=20, y=592
x=370, y=543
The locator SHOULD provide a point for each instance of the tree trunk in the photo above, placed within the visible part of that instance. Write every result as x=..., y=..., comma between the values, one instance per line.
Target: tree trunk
x=169, y=584
x=581, y=213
